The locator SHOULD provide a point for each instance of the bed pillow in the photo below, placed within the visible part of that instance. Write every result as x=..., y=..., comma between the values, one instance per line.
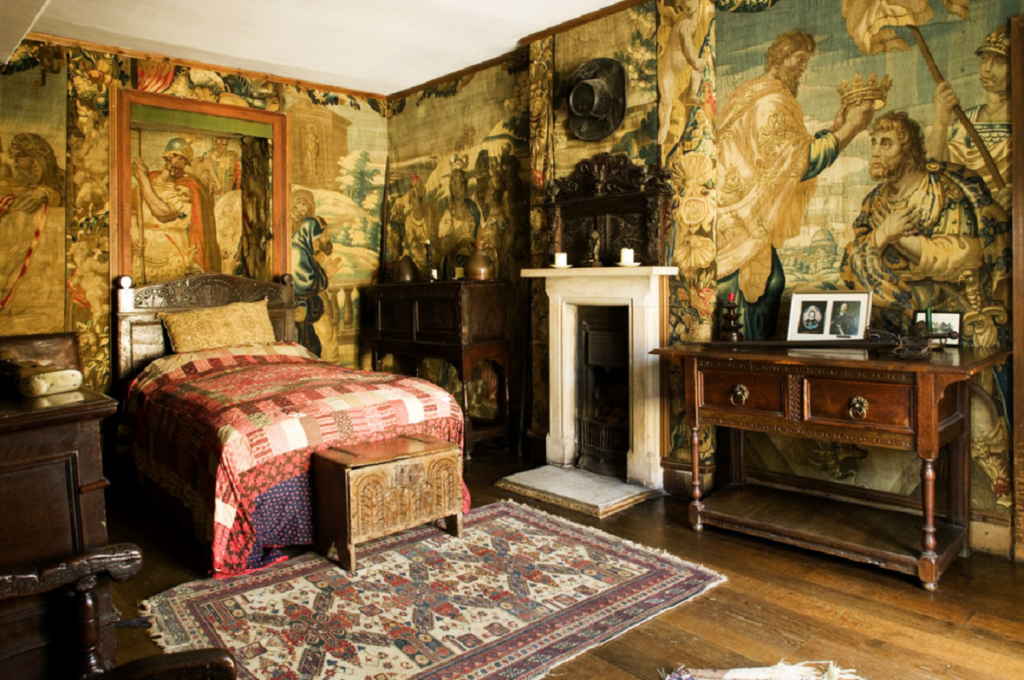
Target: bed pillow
x=240, y=323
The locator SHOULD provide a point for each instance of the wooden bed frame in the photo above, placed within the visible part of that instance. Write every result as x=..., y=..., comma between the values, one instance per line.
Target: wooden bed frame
x=140, y=333
x=385, y=467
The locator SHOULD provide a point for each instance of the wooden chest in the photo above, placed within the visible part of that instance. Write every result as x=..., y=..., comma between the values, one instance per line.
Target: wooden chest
x=51, y=508
x=367, y=491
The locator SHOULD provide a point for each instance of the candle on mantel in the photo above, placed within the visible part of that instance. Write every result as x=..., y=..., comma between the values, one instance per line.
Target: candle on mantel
x=626, y=256
x=561, y=259
x=732, y=297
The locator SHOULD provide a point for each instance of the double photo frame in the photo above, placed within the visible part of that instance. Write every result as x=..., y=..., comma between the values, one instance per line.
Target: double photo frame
x=829, y=316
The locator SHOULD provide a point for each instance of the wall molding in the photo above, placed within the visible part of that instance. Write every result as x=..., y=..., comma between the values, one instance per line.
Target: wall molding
x=151, y=56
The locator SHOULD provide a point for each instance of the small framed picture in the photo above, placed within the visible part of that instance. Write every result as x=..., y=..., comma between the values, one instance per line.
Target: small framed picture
x=829, y=316
x=942, y=322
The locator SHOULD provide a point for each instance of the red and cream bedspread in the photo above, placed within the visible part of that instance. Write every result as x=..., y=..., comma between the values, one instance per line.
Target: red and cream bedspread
x=228, y=433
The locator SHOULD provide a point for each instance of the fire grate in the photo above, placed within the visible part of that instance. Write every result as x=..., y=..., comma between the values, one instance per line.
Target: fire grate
x=607, y=348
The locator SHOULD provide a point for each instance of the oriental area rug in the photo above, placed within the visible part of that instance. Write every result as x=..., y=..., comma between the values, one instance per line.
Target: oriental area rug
x=520, y=593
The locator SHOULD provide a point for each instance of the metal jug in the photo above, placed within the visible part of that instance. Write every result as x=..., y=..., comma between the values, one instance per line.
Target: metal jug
x=406, y=270
x=480, y=267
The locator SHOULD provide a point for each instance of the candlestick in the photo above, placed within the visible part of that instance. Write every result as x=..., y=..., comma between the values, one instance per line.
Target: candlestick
x=731, y=329
x=431, y=272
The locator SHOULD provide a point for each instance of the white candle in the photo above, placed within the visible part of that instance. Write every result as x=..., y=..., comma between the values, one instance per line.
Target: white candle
x=627, y=256
x=561, y=260
x=433, y=274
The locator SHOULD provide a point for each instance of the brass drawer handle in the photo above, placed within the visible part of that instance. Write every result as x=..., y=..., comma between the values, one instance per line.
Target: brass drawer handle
x=738, y=394
x=858, y=407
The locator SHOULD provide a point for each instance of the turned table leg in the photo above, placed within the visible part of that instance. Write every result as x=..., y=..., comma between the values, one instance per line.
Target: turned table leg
x=695, y=505
x=928, y=567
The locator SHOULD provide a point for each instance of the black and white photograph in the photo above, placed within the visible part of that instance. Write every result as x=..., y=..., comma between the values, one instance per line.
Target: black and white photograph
x=941, y=322
x=829, y=316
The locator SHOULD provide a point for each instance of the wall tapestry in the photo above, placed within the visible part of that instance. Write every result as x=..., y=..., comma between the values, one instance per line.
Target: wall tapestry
x=339, y=154
x=33, y=187
x=189, y=187
x=843, y=166
x=459, y=174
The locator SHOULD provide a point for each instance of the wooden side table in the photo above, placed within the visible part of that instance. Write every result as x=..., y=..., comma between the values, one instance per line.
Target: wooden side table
x=881, y=401
x=367, y=491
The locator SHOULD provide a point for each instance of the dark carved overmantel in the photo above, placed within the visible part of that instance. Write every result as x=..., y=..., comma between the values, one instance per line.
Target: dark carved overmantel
x=626, y=204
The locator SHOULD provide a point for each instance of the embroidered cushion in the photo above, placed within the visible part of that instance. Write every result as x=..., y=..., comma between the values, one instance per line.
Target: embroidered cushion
x=240, y=323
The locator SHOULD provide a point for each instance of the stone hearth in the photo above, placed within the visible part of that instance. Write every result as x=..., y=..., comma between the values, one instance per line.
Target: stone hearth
x=639, y=289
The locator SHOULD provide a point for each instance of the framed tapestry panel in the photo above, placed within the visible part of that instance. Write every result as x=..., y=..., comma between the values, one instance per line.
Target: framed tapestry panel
x=201, y=188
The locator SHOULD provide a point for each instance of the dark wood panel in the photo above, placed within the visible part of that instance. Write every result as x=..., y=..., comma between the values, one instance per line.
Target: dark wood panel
x=51, y=531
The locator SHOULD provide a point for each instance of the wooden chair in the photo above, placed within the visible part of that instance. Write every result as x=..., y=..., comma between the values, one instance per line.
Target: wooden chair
x=79, y=575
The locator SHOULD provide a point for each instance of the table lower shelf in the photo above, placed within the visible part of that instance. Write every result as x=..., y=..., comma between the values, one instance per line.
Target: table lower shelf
x=886, y=538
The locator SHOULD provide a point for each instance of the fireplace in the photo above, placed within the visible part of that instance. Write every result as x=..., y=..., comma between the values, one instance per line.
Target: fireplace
x=636, y=293
x=602, y=380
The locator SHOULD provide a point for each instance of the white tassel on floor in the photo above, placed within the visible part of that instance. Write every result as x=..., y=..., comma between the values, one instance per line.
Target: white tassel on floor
x=808, y=670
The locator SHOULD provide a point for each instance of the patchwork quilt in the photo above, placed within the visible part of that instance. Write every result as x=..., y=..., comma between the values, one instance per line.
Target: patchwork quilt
x=229, y=433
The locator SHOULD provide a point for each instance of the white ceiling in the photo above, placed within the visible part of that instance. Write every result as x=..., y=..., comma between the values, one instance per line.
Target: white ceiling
x=380, y=46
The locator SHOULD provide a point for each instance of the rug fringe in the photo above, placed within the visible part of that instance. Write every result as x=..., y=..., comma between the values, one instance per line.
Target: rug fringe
x=147, y=613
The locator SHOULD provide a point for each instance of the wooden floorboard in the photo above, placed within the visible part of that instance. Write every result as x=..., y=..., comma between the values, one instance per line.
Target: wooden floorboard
x=780, y=603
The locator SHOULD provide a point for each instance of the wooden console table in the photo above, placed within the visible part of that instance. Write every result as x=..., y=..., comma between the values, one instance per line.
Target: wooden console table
x=872, y=401
x=461, y=322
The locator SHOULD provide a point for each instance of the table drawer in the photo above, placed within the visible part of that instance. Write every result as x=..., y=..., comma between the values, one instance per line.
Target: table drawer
x=745, y=391
x=883, y=405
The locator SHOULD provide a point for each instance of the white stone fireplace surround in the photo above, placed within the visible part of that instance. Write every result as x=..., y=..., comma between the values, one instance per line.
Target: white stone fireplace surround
x=637, y=288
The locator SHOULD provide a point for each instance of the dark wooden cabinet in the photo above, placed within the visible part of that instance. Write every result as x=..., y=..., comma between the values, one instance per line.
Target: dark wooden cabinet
x=915, y=405
x=51, y=507
x=461, y=322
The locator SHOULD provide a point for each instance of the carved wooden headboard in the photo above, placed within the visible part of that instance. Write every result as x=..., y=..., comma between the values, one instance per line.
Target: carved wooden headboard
x=140, y=333
x=625, y=205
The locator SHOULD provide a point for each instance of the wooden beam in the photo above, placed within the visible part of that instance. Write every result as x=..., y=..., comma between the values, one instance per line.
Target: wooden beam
x=579, y=21
x=137, y=54
x=1016, y=298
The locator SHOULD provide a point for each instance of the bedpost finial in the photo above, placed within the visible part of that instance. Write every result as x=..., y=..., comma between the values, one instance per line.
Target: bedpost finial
x=287, y=279
x=124, y=282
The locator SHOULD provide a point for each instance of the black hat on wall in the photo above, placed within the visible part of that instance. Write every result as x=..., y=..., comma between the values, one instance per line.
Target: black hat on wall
x=597, y=99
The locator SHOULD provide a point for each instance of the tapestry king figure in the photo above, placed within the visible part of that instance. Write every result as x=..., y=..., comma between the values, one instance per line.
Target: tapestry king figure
x=767, y=171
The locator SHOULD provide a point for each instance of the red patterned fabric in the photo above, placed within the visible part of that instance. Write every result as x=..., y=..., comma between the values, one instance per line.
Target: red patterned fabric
x=229, y=434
